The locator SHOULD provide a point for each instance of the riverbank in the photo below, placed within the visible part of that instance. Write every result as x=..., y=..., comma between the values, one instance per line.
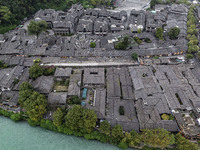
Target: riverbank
x=21, y=136
x=94, y=135
x=48, y=125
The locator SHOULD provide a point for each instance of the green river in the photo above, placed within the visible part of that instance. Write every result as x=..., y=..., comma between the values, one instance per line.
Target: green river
x=21, y=136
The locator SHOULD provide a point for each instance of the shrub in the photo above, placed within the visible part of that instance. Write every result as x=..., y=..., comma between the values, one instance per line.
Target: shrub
x=15, y=81
x=33, y=123
x=147, y=40
x=16, y=117
x=6, y=113
x=47, y=71
x=173, y=32
x=165, y=117
x=137, y=40
x=189, y=56
x=92, y=44
x=3, y=65
x=156, y=57
x=36, y=61
x=139, y=30
x=135, y=56
x=35, y=71
x=123, y=145
x=122, y=44
x=74, y=100
x=159, y=34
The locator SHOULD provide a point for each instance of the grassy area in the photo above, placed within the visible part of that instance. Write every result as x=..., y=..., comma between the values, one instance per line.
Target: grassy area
x=61, y=86
x=4, y=29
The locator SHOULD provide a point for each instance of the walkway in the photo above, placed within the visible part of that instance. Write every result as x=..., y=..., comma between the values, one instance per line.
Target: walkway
x=91, y=64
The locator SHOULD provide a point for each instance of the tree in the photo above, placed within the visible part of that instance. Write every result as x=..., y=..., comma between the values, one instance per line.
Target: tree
x=183, y=2
x=25, y=92
x=159, y=33
x=37, y=27
x=193, y=49
x=35, y=106
x=135, y=56
x=81, y=119
x=89, y=120
x=157, y=138
x=139, y=30
x=35, y=71
x=192, y=29
x=123, y=44
x=96, y=2
x=198, y=55
x=58, y=117
x=154, y=2
x=73, y=119
x=33, y=102
x=16, y=117
x=184, y=144
x=117, y=132
x=37, y=112
x=165, y=117
x=3, y=65
x=137, y=40
x=74, y=100
x=92, y=44
x=174, y=32
x=135, y=139
x=105, y=127
x=193, y=42
x=5, y=14
x=189, y=56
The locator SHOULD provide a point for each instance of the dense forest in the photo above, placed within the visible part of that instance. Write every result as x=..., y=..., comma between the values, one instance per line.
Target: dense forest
x=13, y=11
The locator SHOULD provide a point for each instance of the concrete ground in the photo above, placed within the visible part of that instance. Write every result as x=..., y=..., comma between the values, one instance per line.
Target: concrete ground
x=128, y=5
x=91, y=64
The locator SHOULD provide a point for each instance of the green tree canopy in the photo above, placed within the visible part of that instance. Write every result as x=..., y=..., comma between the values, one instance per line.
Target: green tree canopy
x=33, y=102
x=135, y=139
x=165, y=117
x=105, y=127
x=134, y=56
x=35, y=71
x=25, y=92
x=5, y=14
x=159, y=33
x=58, y=117
x=92, y=44
x=154, y=2
x=192, y=29
x=79, y=118
x=37, y=27
x=189, y=56
x=117, y=132
x=139, y=30
x=123, y=43
x=184, y=144
x=193, y=49
x=101, y=2
x=157, y=138
x=174, y=32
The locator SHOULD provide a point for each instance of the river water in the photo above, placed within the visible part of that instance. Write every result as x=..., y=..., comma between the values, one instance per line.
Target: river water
x=21, y=136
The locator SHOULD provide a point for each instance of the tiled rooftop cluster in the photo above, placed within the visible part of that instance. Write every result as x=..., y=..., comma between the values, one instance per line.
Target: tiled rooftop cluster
x=103, y=27
x=145, y=92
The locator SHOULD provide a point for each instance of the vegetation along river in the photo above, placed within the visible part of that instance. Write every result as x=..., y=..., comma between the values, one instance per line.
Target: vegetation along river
x=21, y=136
